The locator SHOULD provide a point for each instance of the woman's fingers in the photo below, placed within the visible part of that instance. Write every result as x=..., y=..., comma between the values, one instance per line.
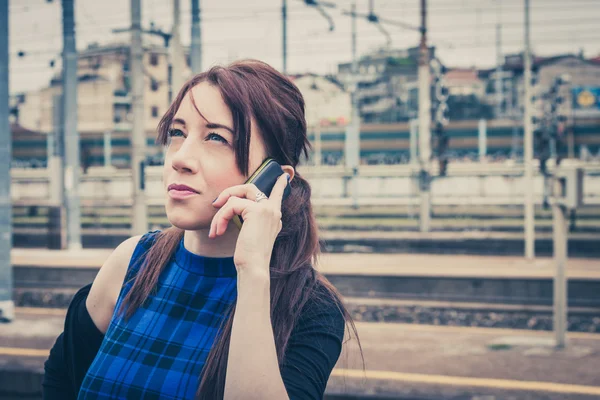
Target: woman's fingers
x=233, y=206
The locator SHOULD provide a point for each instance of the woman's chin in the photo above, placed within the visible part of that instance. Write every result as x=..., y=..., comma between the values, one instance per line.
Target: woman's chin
x=187, y=221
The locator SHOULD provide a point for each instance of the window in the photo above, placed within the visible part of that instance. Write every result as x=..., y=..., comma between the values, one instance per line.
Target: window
x=154, y=112
x=153, y=85
x=153, y=59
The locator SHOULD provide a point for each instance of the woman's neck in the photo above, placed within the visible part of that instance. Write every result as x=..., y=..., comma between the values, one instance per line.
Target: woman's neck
x=198, y=242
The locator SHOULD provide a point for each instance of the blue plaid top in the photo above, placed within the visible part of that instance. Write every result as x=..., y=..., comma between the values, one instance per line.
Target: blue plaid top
x=160, y=351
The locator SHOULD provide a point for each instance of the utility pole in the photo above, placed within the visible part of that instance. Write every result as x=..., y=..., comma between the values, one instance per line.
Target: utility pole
x=284, y=26
x=528, y=143
x=176, y=53
x=352, y=148
x=57, y=234
x=567, y=197
x=499, y=86
x=482, y=139
x=107, y=146
x=139, y=222
x=196, y=47
x=424, y=123
x=70, y=132
x=515, y=120
x=166, y=36
x=7, y=306
x=414, y=134
x=559, y=282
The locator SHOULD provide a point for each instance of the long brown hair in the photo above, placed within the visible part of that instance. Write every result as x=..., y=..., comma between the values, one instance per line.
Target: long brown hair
x=253, y=89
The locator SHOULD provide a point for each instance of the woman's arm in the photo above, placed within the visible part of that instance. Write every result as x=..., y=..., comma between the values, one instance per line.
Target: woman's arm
x=56, y=384
x=88, y=317
x=313, y=349
x=73, y=351
x=252, y=367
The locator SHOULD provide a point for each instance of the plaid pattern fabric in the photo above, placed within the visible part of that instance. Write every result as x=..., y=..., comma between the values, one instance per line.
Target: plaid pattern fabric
x=159, y=353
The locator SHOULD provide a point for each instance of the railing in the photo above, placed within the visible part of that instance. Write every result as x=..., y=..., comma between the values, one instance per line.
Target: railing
x=468, y=183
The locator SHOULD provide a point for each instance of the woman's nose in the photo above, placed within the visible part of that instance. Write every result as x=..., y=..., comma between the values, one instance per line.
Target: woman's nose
x=184, y=160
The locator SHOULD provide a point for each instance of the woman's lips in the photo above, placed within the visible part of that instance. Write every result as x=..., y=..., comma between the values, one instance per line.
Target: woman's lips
x=181, y=194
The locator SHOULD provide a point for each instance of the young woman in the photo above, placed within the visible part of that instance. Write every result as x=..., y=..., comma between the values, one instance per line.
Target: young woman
x=205, y=309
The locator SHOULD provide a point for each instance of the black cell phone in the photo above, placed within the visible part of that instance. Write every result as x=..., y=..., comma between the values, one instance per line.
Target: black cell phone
x=265, y=178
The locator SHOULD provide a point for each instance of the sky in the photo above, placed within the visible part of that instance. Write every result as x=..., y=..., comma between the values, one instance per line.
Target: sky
x=463, y=31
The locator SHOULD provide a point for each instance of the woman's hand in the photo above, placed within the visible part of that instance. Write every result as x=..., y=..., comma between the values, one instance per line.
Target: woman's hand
x=262, y=224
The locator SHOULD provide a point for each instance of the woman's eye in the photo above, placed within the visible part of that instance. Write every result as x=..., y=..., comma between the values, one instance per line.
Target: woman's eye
x=175, y=132
x=217, y=137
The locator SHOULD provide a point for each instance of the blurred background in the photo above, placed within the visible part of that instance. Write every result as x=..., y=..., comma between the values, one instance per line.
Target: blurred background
x=455, y=167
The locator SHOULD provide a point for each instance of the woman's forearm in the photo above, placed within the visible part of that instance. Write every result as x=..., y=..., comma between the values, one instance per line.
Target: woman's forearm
x=252, y=367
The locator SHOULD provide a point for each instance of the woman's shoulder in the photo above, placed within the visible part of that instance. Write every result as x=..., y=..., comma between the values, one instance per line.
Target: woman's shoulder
x=130, y=249
x=323, y=311
x=107, y=285
x=121, y=257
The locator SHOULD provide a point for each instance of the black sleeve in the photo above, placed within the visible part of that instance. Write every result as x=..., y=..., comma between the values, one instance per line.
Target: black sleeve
x=73, y=351
x=313, y=350
x=56, y=383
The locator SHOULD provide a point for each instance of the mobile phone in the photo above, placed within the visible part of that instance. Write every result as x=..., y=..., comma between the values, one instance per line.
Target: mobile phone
x=265, y=178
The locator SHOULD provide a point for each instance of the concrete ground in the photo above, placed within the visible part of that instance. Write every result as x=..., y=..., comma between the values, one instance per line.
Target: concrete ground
x=420, y=361
x=401, y=361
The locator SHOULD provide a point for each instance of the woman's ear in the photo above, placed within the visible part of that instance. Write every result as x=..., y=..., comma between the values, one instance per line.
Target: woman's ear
x=289, y=169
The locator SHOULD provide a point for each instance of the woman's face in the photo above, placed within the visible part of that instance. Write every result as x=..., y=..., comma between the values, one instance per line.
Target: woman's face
x=201, y=156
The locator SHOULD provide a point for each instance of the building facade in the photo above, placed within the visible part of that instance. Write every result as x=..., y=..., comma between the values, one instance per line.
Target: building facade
x=104, y=97
x=387, y=84
x=582, y=73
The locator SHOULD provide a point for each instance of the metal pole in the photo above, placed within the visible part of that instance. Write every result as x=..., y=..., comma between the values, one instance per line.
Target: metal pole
x=414, y=132
x=57, y=233
x=424, y=124
x=528, y=144
x=139, y=223
x=284, y=26
x=70, y=132
x=571, y=130
x=7, y=306
x=353, y=129
x=196, y=50
x=515, y=119
x=499, y=86
x=354, y=67
x=176, y=53
x=482, y=139
x=414, y=162
x=560, y=259
x=107, y=149
x=50, y=138
x=56, y=161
